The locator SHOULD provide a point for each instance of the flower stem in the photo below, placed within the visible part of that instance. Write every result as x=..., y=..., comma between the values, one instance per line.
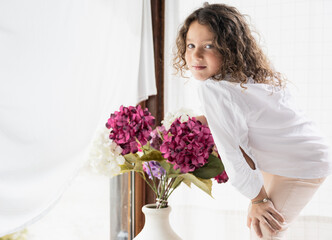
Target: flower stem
x=165, y=179
x=165, y=193
x=153, y=189
x=153, y=180
x=173, y=190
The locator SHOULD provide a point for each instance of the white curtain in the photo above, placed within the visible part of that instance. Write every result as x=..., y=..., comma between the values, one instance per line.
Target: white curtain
x=297, y=37
x=64, y=66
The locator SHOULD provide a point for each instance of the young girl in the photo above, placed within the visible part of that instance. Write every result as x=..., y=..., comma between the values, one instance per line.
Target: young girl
x=272, y=153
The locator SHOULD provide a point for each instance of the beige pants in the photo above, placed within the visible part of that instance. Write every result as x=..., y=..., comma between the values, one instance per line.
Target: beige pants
x=289, y=196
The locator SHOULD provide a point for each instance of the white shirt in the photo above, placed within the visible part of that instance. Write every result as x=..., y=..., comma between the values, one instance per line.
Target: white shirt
x=269, y=127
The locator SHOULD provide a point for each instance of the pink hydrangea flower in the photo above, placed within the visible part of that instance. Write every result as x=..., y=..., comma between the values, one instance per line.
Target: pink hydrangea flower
x=222, y=178
x=187, y=145
x=129, y=124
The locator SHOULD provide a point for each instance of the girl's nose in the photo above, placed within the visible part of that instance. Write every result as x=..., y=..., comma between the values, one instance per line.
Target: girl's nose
x=198, y=54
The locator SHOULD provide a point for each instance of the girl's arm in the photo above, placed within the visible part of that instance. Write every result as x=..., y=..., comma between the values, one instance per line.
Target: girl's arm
x=262, y=213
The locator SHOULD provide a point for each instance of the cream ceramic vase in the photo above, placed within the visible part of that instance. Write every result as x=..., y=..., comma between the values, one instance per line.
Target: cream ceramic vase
x=156, y=225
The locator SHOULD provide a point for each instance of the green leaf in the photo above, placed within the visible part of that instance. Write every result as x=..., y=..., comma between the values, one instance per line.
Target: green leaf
x=131, y=157
x=167, y=166
x=152, y=155
x=187, y=182
x=129, y=168
x=126, y=166
x=211, y=169
x=147, y=147
x=204, y=184
x=171, y=172
x=138, y=166
x=132, y=163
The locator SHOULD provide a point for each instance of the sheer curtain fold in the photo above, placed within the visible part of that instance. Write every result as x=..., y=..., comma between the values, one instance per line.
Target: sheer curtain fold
x=301, y=50
x=64, y=66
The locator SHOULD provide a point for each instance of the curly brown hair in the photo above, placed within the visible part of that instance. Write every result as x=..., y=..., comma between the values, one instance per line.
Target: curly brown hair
x=241, y=54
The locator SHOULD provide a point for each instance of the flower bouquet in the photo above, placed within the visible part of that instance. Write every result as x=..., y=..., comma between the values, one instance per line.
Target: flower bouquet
x=181, y=150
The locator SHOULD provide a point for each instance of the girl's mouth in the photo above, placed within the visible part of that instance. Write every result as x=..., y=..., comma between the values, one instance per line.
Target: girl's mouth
x=199, y=67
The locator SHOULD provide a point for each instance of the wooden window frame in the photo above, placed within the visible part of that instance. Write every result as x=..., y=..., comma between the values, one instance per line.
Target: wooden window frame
x=142, y=194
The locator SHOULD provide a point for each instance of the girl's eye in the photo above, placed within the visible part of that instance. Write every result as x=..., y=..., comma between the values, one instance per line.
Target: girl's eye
x=190, y=45
x=209, y=46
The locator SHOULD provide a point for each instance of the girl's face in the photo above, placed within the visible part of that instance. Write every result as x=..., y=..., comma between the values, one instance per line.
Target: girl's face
x=202, y=57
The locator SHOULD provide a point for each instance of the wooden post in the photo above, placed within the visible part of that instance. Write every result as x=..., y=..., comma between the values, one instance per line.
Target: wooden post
x=155, y=104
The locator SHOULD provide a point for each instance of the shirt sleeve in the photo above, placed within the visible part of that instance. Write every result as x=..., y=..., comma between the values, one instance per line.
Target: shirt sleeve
x=225, y=113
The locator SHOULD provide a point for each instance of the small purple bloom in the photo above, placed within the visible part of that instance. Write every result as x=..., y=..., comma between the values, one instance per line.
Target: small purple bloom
x=156, y=137
x=156, y=169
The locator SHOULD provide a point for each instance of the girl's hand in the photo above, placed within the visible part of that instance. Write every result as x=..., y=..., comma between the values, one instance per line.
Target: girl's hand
x=202, y=119
x=266, y=215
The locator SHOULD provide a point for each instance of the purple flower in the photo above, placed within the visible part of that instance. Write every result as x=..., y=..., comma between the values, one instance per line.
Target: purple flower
x=156, y=169
x=187, y=145
x=156, y=137
x=222, y=178
x=129, y=124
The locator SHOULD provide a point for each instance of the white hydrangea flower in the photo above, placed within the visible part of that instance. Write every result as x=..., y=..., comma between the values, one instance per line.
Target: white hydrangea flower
x=116, y=149
x=105, y=155
x=184, y=113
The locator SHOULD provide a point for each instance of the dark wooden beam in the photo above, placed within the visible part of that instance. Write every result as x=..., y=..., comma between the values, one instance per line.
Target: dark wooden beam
x=155, y=104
